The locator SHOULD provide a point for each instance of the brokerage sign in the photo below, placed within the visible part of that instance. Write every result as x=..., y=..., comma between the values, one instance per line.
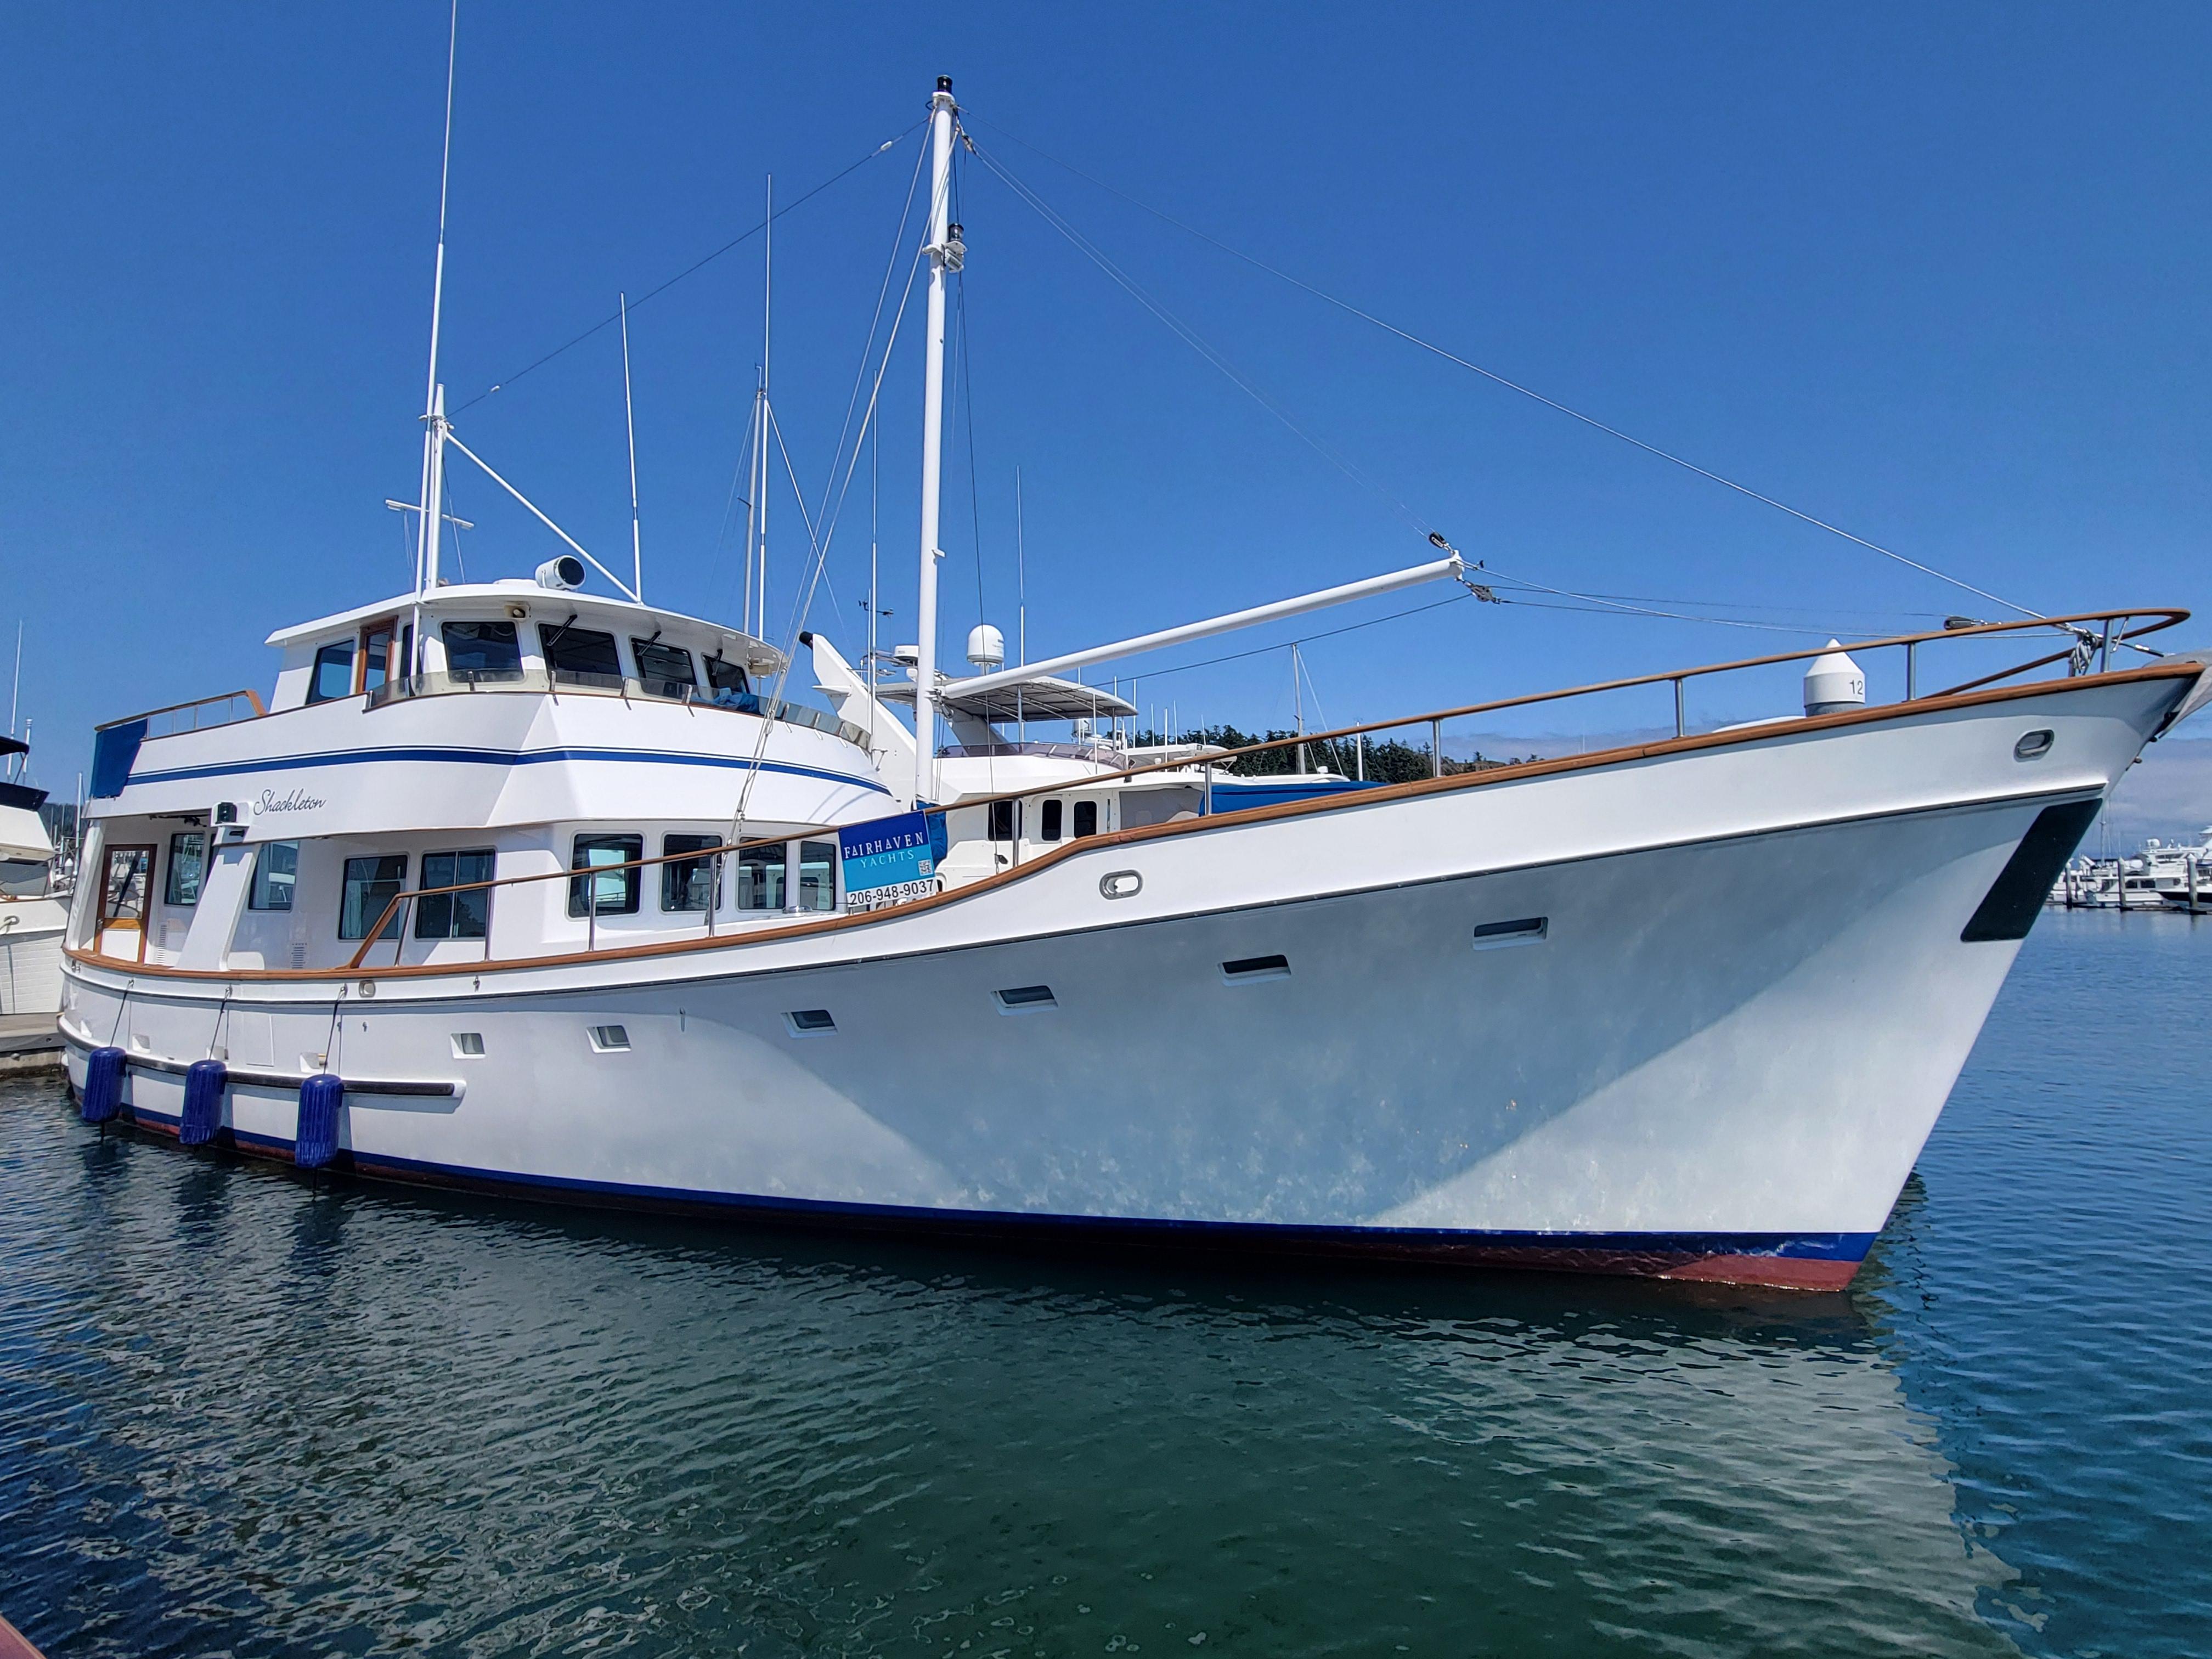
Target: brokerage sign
x=891, y=860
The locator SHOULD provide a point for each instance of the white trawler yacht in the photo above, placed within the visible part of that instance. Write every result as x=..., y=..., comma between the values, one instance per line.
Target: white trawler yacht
x=508, y=885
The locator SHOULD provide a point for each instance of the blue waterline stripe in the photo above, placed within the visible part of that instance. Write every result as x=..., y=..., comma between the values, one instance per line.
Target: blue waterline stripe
x=1796, y=1247
x=494, y=757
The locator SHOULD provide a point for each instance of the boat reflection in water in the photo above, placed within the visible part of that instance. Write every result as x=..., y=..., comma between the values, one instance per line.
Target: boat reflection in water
x=370, y=1416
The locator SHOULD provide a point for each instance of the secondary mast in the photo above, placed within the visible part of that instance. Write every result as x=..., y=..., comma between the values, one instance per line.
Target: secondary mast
x=945, y=255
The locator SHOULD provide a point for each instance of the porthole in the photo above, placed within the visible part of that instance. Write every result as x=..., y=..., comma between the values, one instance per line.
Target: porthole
x=468, y=1045
x=811, y=1022
x=2034, y=746
x=1120, y=884
x=1026, y=999
x=610, y=1039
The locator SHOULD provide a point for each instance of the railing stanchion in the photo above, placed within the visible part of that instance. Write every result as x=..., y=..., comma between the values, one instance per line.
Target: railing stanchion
x=2104, y=660
x=1912, y=676
x=1681, y=725
x=1209, y=790
x=1436, y=749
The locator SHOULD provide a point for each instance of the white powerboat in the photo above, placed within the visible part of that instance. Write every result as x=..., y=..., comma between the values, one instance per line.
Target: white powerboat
x=511, y=886
x=34, y=899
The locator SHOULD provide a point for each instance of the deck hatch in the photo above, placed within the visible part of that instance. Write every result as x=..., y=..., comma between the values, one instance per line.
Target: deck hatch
x=2009, y=909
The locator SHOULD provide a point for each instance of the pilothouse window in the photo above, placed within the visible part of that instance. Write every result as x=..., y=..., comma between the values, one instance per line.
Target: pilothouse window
x=1086, y=818
x=580, y=657
x=482, y=651
x=726, y=680
x=333, y=676
x=664, y=670
x=1050, y=829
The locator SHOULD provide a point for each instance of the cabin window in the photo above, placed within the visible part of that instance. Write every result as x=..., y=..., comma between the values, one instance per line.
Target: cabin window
x=333, y=676
x=1086, y=818
x=664, y=670
x=689, y=883
x=760, y=878
x=1049, y=828
x=818, y=875
x=1002, y=820
x=187, y=866
x=580, y=657
x=464, y=914
x=371, y=884
x=482, y=651
x=610, y=892
x=276, y=875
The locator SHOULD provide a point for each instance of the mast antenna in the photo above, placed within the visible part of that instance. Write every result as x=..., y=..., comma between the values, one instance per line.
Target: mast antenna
x=629, y=419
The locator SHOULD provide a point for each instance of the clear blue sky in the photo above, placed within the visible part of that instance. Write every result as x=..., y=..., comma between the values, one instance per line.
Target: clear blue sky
x=1936, y=275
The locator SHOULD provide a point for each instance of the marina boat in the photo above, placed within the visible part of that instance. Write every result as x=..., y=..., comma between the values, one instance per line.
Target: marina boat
x=2163, y=875
x=513, y=886
x=33, y=901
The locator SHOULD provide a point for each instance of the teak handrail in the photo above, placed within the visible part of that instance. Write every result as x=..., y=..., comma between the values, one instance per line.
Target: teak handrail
x=2166, y=619
x=247, y=692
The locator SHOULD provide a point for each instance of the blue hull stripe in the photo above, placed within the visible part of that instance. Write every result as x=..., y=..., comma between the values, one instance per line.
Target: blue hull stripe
x=1505, y=1244
x=495, y=757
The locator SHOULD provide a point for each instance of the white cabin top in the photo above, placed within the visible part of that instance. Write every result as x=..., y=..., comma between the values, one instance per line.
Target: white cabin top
x=511, y=629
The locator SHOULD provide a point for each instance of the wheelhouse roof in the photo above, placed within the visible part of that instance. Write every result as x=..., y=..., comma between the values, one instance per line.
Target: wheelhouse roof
x=546, y=604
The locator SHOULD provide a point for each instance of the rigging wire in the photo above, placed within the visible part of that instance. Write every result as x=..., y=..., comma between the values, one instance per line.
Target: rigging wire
x=1191, y=338
x=1368, y=316
x=696, y=265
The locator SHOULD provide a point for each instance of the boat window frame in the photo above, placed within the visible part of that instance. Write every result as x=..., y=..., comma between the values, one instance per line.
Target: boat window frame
x=774, y=855
x=398, y=884
x=657, y=684
x=468, y=888
x=550, y=634
x=107, y=917
x=680, y=872
x=170, y=864
x=398, y=649
x=1050, y=819
x=259, y=885
x=481, y=676
x=1084, y=809
x=631, y=845
x=343, y=666
x=827, y=904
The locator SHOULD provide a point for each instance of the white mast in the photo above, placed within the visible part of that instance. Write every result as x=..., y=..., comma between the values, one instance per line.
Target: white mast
x=945, y=254
x=629, y=419
x=767, y=281
x=434, y=395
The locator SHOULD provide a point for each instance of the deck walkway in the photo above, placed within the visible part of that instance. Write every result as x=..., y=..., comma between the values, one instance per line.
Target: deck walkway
x=29, y=1043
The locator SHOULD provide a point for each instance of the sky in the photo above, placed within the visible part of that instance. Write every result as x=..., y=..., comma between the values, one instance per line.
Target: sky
x=1932, y=275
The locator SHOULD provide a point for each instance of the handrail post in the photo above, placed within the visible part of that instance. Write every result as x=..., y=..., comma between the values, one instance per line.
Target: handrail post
x=1681, y=725
x=1436, y=749
x=2103, y=667
x=1208, y=811
x=399, y=933
x=1912, y=676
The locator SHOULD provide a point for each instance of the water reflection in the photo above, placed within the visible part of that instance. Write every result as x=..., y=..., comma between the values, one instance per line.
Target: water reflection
x=265, y=1417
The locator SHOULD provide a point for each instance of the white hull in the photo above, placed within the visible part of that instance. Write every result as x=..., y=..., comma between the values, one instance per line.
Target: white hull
x=1749, y=1003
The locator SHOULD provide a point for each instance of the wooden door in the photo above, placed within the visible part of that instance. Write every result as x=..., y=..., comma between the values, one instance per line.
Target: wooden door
x=126, y=887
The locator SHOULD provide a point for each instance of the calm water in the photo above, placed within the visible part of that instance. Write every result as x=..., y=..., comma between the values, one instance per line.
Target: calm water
x=240, y=1416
